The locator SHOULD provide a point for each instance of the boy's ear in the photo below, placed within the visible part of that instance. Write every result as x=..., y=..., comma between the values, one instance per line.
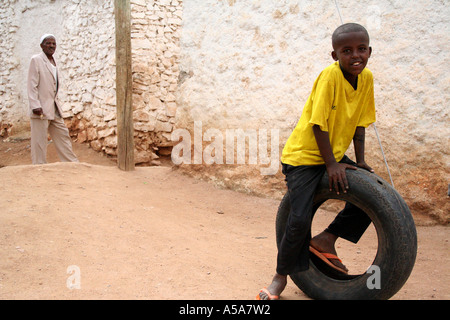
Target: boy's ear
x=334, y=55
x=370, y=51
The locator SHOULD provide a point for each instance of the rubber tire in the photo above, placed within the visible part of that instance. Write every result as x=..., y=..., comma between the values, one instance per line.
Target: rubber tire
x=396, y=232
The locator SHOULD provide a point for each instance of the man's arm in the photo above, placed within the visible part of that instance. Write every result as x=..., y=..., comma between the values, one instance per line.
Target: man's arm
x=335, y=170
x=32, y=88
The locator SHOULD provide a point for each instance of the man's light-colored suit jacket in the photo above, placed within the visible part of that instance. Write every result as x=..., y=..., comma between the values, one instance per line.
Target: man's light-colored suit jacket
x=42, y=87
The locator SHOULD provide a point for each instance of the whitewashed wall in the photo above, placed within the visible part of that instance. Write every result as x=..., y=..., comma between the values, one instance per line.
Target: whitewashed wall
x=235, y=64
x=251, y=64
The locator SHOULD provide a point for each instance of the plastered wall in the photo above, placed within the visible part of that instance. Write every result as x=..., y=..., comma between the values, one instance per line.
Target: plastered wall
x=252, y=64
x=235, y=64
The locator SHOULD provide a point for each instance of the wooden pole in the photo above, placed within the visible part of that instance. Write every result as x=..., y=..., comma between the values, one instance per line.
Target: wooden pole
x=125, y=134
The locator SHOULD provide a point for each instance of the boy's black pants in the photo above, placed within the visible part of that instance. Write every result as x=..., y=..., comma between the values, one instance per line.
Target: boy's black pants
x=302, y=181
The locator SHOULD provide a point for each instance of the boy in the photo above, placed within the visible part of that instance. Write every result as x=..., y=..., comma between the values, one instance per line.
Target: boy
x=340, y=107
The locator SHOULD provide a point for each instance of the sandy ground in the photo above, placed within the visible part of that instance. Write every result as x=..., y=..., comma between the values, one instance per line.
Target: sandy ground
x=91, y=231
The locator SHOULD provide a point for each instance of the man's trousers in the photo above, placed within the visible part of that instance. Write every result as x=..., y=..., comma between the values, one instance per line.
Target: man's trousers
x=60, y=136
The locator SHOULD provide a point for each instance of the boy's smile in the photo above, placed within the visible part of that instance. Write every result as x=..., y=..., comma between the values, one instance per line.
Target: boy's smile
x=352, y=50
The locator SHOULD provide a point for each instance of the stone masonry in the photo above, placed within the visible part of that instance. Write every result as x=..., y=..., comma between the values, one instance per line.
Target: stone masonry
x=85, y=34
x=155, y=36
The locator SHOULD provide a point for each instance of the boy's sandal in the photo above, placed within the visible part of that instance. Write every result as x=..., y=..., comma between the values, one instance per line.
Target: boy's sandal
x=264, y=294
x=326, y=257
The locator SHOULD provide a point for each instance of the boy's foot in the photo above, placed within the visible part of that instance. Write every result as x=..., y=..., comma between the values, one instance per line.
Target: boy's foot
x=273, y=291
x=324, y=243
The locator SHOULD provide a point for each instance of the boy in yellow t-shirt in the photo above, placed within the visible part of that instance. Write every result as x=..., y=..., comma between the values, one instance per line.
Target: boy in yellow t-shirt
x=339, y=108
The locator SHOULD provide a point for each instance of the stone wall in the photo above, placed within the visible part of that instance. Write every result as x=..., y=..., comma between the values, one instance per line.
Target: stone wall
x=91, y=104
x=8, y=94
x=85, y=32
x=155, y=45
x=86, y=55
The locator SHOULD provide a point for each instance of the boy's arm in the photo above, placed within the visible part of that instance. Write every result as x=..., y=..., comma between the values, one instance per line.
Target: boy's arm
x=358, y=143
x=335, y=170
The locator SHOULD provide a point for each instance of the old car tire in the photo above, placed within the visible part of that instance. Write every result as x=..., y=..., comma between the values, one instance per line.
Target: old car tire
x=397, y=241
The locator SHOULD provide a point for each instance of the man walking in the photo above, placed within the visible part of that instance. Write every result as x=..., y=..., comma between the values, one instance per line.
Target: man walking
x=42, y=86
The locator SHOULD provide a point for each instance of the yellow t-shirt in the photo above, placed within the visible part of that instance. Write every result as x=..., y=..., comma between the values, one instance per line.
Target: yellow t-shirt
x=336, y=107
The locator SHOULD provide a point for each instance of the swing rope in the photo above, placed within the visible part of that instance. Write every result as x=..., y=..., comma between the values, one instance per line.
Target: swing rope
x=374, y=126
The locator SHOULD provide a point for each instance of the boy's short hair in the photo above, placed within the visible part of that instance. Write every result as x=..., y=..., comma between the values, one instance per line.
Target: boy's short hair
x=347, y=28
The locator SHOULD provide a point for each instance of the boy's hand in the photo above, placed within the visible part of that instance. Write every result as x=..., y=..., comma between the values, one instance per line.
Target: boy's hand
x=337, y=177
x=364, y=165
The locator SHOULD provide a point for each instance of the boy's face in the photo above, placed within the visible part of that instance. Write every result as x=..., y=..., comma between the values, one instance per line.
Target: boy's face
x=352, y=50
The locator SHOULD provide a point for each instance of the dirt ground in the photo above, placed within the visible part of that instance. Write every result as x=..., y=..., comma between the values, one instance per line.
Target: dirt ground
x=91, y=231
